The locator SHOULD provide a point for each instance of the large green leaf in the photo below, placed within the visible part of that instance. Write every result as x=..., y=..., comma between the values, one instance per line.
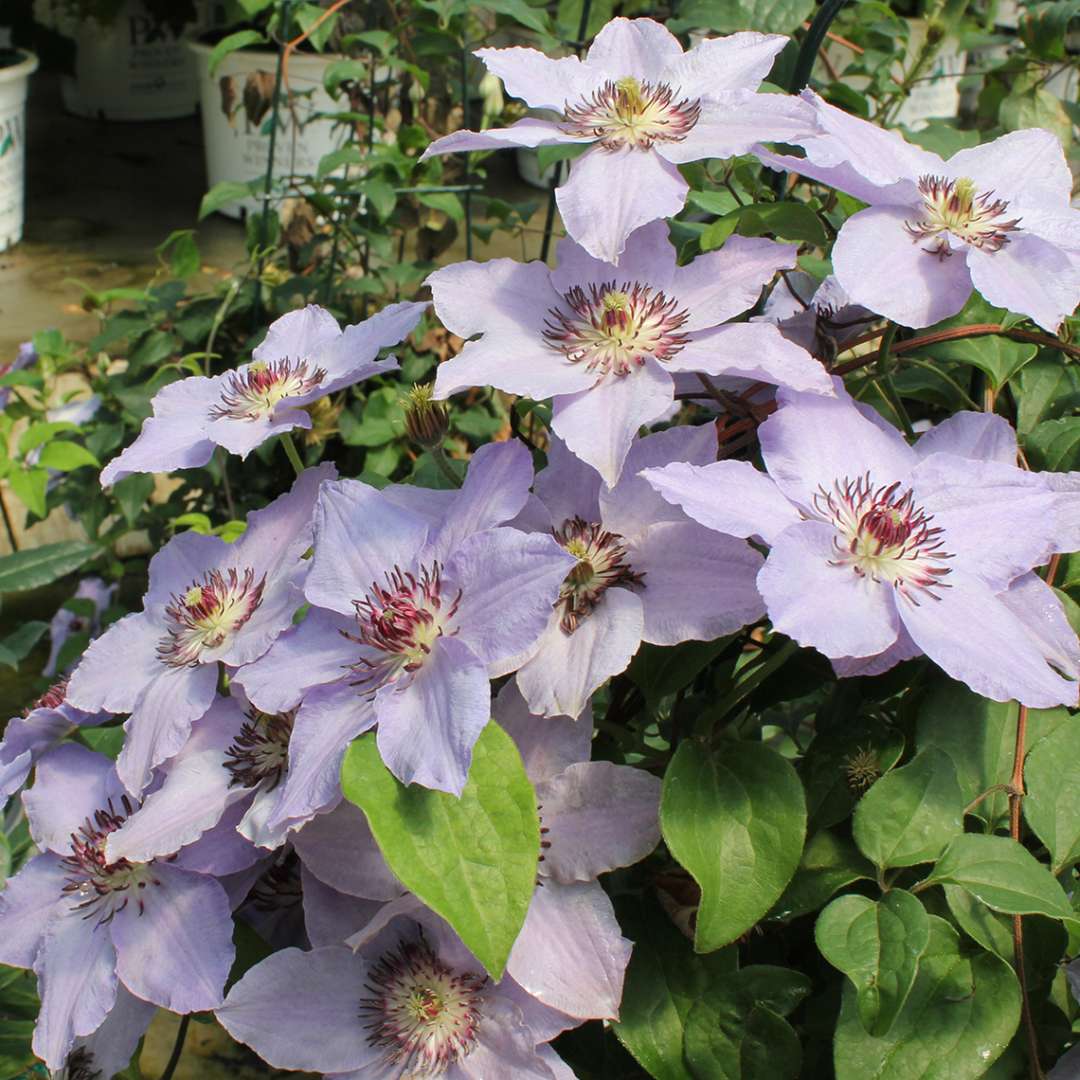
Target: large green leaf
x=1054, y=445
x=728, y=16
x=38, y=566
x=1046, y=389
x=1052, y=806
x=999, y=357
x=957, y=1020
x=472, y=860
x=664, y=980
x=828, y=863
x=910, y=814
x=1003, y=874
x=878, y=946
x=736, y=819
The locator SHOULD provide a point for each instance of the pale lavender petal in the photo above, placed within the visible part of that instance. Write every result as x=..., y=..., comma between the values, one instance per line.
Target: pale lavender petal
x=737, y=61
x=718, y=285
x=729, y=496
x=699, y=584
x=599, y=817
x=240, y=437
x=298, y=335
x=505, y=1046
x=599, y=424
x=974, y=637
x=547, y=744
x=328, y=720
x=222, y=850
x=310, y=654
x=25, y=740
x=568, y=487
x=529, y=132
x=75, y=996
x=568, y=668
x=610, y=193
x=1029, y=165
x=649, y=257
x=544, y=1022
x=733, y=121
x=540, y=81
x=112, y=1046
x=160, y=723
x=351, y=357
x=175, y=436
x=559, y=1069
x=813, y=442
x=359, y=536
x=339, y=849
x=642, y=48
x=570, y=953
x=300, y=1010
x=1037, y=606
x=26, y=905
x=976, y=435
x=903, y=648
x=843, y=175
x=873, y=252
x=632, y=505
x=427, y=729
x=997, y=520
x=330, y=917
x=495, y=490
x=1029, y=275
x=509, y=582
x=94, y=684
x=821, y=604
x=71, y=784
x=176, y=948
x=432, y=504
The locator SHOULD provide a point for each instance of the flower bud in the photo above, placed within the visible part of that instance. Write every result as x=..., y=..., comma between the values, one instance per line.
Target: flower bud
x=491, y=91
x=426, y=421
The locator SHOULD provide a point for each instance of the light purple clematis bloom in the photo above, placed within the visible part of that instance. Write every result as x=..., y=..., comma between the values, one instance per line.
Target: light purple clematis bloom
x=881, y=552
x=606, y=342
x=208, y=601
x=24, y=358
x=644, y=572
x=66, y=622
x=352, y=1015
x=643, y=107
x=411, y=617
x=88, y=927
x=304, y=357
x=995, y=217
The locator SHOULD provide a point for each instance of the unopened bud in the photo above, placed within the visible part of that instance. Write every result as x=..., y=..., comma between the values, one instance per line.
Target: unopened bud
x=491, y=90
x=426, y=420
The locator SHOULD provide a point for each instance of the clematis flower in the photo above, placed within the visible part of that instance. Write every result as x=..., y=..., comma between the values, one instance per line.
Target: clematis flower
x=66, y=622
x=643, y=572
x=110, y=1048
x=304, y=357
x=410, y=618
x=606, y=343
x=88, y=927
x=881, y=552
x=643, y=107
x=410, y=1001
x=995, y=217
x=208, y=601
x=24, y=358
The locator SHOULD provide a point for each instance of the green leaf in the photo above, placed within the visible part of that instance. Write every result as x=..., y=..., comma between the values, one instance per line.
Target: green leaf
x=659, y=670
x=338, y=159
x=1003, y=874
x=103, y=740
x=1043, y=27
x=30, y=487
x=65, y=456
x=1046, y=389
x=1035, y=106
x=520, y=12
x=471, y=860
x=445, y=202
x=828, y=864
x=40, y=433
x=546, y=156
x=877, y=945
x=39, y=566
x=664, y=980
x=736, y=819
x=17, y=645
x=910, y=814
x=240, y=40
x=131, y=493
x=728, y=16
x=382, y=196
x=223, y=193
x=182, y=251
x=957, y=1020
x=998, y=357
x=980, y=737
x=1054, y=445
x=1052, y=805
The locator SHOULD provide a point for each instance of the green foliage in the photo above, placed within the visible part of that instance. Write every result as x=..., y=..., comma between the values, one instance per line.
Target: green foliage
x=39, y=566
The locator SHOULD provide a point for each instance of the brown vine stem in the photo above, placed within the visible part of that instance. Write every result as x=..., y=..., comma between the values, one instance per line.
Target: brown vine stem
x=301, y=38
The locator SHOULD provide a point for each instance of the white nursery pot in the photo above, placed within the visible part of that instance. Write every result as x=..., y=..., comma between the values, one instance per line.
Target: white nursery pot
x=133, y=69
x=238, y=149
x=14, y=81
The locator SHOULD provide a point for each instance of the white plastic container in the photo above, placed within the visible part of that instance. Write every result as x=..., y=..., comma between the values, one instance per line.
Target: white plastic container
x=236, y=147
x=135, y=68
x=14, y=80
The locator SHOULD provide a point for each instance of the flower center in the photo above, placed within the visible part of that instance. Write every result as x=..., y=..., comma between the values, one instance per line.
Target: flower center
x=402, y=620
x=952, y=207
x=104, y=888
x=80, y=1066
x=626, y=112
x=280, y=888
x=53, y=698
x=254, y=391
x=260, y=753
x=601, y=563
x=208, y=614
x=614, y=330
x=424, y=1013
x=884, y=536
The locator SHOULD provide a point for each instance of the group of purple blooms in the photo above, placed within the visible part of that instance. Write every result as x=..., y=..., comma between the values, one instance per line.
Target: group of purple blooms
x=852, y=541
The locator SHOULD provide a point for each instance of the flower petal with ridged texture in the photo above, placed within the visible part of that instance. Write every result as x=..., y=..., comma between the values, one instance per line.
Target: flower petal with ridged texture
x=26, y=904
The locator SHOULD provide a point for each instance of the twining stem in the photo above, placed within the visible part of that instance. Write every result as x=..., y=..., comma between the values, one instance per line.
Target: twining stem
x=178, y=1048
x=301, y=38
x=438, y=454
x=291, y=453
x=984, y=795
x=7, y=524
